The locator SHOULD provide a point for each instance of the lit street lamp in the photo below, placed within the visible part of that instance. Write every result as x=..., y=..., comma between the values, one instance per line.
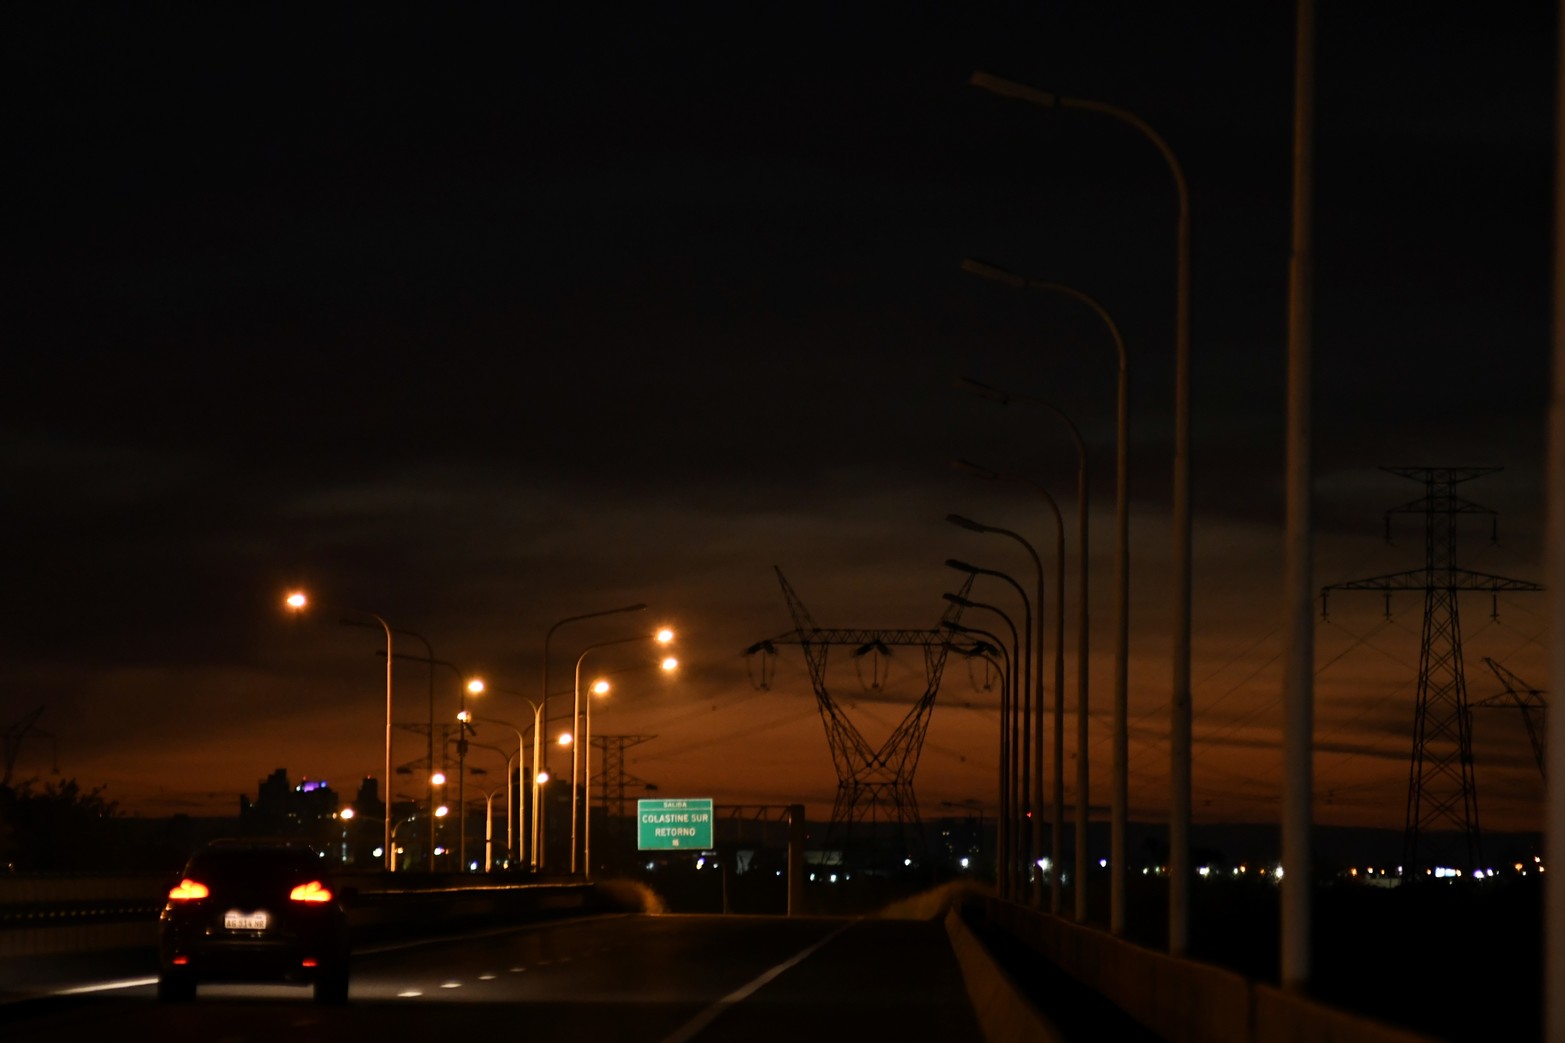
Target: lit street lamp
x=540, y=776
x=543, y=699
x=601, y=687
x=298, y=601
x=517, y=814
x=430, y=660
x=488, y=806
x=475, y=687
x=663, y=636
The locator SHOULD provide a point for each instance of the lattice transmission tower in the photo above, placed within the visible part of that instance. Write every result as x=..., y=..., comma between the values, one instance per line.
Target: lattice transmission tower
x=1440, y=791
x=1520, y=695
x=609, y=783
x=874, y=783
x=612, y=778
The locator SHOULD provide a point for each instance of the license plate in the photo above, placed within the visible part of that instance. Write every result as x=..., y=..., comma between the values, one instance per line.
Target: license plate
x=234, y=920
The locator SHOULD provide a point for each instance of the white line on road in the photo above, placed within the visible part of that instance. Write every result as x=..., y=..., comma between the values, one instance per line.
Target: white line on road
x=688, y=1030
x=103, y=986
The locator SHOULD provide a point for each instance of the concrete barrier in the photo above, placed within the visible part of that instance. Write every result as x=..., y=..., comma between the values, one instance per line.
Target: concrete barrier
x=1003, y=1012
x=1182, y=1000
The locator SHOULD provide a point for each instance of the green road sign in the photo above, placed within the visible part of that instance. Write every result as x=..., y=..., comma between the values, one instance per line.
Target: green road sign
x=674, y=825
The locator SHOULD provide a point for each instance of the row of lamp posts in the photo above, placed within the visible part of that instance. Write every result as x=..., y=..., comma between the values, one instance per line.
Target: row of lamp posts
x=578, y=735
x=1180, y=708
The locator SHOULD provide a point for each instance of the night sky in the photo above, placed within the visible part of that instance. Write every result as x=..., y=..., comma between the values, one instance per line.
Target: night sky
x=478, y=320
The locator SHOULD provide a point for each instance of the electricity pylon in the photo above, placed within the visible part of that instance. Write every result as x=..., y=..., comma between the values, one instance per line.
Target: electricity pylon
x=1527, y=699
x=1440, y=790
x=612, y=775
x=613, y=779
x=873, y=783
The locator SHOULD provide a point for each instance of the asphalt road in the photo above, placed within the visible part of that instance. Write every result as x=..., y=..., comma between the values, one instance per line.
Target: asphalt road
x=661, y=979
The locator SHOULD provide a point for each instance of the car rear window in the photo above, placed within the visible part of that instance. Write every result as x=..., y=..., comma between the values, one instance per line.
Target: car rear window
x=256, y=863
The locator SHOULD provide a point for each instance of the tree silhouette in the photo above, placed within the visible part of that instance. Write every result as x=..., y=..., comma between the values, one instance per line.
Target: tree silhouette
x=55, y=827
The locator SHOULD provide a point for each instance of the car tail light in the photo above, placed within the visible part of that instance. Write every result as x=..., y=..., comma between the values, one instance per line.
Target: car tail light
x=188, y=890
x=314, y=891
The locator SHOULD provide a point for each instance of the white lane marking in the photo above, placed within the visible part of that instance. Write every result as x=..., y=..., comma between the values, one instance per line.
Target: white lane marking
x=408, y=994
x=450, y=985
x=104, y=986
x=688, y=1030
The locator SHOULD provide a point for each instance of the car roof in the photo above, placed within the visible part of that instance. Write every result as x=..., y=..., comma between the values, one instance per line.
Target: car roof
x=260, y=852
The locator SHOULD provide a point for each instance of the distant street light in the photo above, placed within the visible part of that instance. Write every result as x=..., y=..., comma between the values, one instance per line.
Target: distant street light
x=430, y=661
x=663, y=636
x=298, y=601
x=521, y=769
x=1010, y=790
x=1120, y=747
x=1034, y=830
x=540, y=846
x=973, y=526
x=472, y=687
x=601, y=687
x=1002, y=821
x=540, y=776
x=1056, y=841
x=465, y=686
x=489, y=806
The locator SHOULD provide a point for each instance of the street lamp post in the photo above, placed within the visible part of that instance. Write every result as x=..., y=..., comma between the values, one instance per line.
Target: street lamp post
x=464, y=687
x=973, y=526
x=489, y=824
x=298, y=601
x=1119, y=787
x=464, y=720
x=489, y=802
x=1057, y=827
x=543, y=701
x=539, y=777
x=662, y=636
x=429, y=772
x=1034, y=833
x=601, y=687
x=519, y=814
x=1002, y=822
x=1011, y=791
x=1180, y=711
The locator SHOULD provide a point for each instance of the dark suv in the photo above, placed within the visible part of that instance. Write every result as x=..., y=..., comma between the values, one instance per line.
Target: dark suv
x=254, y=911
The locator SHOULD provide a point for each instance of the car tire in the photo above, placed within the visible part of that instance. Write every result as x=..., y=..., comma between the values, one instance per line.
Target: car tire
x=176, y=987
x=332, y=986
